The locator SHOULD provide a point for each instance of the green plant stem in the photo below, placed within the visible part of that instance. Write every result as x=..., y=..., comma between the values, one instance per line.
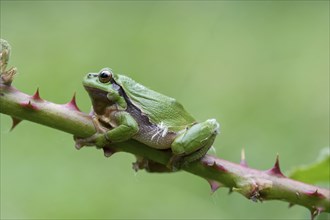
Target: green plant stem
x=254, y=184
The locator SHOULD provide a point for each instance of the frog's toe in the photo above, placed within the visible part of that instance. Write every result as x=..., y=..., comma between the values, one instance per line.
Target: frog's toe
x=108, y=151
x=78, y=145
x=79, y=142
x=94, y=140
x=150, y=166
x=175, y=163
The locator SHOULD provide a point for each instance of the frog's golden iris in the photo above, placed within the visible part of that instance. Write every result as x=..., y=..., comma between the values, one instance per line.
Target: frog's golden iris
x=105, y=76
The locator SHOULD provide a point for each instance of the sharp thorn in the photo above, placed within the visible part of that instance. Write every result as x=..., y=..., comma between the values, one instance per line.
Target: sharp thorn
x=276, y=171
x=36, y=96
x=73, y=104
x=29, y=105
x=218, y=167
x=212, y=162
x=15, y=122
x=243, y=161
x=315, y=194
x=214, y=185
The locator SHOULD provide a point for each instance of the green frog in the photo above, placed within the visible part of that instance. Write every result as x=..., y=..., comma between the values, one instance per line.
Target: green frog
x=124, y=109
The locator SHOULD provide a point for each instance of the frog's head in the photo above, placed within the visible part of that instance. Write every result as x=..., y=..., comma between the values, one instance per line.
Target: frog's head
x=99, y=81
x=98, y=85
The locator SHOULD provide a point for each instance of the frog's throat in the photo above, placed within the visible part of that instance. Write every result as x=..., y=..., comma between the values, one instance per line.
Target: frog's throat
x=99, y=99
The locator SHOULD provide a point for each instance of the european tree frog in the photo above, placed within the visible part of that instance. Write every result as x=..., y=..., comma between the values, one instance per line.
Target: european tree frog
x=124, y=109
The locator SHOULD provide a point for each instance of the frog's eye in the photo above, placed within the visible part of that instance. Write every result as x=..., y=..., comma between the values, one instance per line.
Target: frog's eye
x=105, y=76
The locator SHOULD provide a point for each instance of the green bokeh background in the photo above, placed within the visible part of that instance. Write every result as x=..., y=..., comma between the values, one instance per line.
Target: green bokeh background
x=260, y=67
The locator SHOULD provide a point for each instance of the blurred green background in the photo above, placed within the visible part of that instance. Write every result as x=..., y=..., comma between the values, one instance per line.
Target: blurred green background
x=260, y=67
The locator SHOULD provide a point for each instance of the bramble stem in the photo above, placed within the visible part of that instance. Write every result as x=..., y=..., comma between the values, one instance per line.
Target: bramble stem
x=254, y=184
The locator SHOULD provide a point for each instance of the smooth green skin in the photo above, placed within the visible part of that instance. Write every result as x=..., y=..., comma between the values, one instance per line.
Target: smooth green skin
x=189, y=139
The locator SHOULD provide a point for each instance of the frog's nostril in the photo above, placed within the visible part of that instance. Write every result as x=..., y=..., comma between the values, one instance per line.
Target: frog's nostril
x=89, y=75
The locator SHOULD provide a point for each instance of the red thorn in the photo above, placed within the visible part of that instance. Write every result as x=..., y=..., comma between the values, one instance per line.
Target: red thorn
x=243, y=161
x=36, y=96
x=16, y=121
x=276, y=171
x=218, y=167
x=72, y=104
x=214, y=185
x=315, y=194
x=212, y=162
x=29, y=105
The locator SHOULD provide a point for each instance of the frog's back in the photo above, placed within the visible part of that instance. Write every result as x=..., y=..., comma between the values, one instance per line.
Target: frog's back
x=160, y=109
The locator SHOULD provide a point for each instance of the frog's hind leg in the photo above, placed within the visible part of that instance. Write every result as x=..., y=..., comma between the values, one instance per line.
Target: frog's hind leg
x=127, y=127
x=193, y=143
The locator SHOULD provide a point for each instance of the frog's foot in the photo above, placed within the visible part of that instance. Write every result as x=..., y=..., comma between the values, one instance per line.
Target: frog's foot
x=175, y=163
x=150, y=166
x=141, y=163
x=98, y=139
x=108, y=151
x=81, y=142
x=193, y=143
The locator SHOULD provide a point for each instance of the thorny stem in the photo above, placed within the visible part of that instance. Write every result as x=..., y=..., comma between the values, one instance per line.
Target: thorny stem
x=256, y=185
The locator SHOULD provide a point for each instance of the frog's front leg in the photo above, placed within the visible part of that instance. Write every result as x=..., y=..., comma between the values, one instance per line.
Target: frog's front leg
x=193, y=143
x=125, y=128
x=90, y=141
